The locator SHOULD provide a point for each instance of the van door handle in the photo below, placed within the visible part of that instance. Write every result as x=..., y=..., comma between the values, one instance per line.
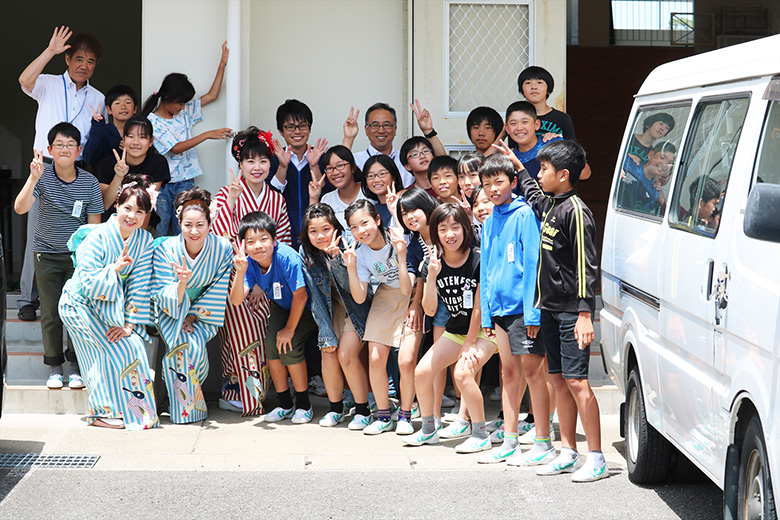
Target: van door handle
x=710, y=273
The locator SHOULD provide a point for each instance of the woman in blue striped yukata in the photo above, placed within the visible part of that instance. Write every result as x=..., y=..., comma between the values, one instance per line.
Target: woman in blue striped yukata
x=189, y=291
x=105, y=306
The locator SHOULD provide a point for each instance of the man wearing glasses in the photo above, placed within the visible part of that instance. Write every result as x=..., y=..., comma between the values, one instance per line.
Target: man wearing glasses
x=381, y=126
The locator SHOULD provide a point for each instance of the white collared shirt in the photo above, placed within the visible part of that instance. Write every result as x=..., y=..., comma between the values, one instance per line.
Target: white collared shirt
x=395, y=155
x=53, y=94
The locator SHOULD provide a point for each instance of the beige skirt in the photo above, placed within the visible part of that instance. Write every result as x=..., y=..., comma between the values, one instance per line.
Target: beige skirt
x=386, y=319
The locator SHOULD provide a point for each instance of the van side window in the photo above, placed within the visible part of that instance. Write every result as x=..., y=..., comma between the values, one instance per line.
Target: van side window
x=700, y=189
x=768, y=163
x=649, y=159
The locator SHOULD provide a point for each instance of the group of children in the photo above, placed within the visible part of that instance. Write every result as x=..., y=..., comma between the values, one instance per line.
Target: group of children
x=375, y=248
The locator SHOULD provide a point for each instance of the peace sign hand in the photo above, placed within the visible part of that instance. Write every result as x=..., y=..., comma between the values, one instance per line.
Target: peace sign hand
x=351, y=127
x=349, y=256
x=391, y=199
x=58, y=44
x=424, y=119
x=314, y=153
x=235, y=188
x=183, y=272
x=399, y=243
x=121, y=168
x=333, y=248
x=123, y=261
x=96, y=115
x=315, y=189
x=463, y=202
x=36, y=165
x=239, y=259
x=434, y=263
x=502, y=147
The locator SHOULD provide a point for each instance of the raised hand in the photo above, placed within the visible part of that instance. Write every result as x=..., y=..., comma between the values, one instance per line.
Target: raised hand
x=314, y=153
x=391, y=199
x=121, y=168
x=96, y=115
x=36, y=165
x=399, y=243
x=349, y=256
x=58, y=43
x=434, y=262
x=502, y=147
x=220, y=133
x=315, y=189
x=183, y=273
x=351, y=126
x=225, y=52
x=235, y=188
x=123, y=261
x=239, y=259
x=424, y=120
x=333, y=248
x=282, y=154
x=463, y=202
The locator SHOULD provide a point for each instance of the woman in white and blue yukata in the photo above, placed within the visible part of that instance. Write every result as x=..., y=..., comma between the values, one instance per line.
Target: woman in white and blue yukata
x=105, y=307
x=189, y=291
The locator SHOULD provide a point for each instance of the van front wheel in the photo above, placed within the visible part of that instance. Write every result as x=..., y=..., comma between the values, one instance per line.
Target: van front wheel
x=755, y=499
x=648, y=453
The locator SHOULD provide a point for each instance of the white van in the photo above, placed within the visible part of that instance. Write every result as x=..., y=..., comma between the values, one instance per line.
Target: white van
x=691, y=274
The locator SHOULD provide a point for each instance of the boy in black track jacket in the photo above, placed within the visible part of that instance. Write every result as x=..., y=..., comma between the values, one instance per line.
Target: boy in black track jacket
x=566, y=285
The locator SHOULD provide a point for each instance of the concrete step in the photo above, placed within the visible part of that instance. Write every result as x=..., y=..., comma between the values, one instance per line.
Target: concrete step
x=39, y=399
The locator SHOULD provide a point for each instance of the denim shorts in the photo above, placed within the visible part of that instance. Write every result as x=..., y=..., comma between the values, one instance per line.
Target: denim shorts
x=563, y=353
x=442, y=315
x=519, y=342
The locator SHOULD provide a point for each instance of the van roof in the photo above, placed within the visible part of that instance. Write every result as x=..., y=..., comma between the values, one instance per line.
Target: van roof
x=747, y=60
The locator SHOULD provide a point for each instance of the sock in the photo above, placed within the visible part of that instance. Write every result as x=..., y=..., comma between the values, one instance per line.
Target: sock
x=405, y=415
x=383, y=414
x=478, y=430
x=428, y=424
x=285, y=400
x=541, y=444
x=437, y=422
x=74, y=368
x=55, y=369
x=337, y=407
x=598, y=458
x=362, y=409
x=510, y=441
x=529, y=418
x=302, y=400
x=569, y=452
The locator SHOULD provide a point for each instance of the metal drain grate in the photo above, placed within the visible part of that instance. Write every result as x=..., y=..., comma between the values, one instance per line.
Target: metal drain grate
x=40, y=460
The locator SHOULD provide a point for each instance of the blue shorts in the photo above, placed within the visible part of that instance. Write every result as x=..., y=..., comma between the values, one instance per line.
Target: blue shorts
x=442, y=315
x=563, y=353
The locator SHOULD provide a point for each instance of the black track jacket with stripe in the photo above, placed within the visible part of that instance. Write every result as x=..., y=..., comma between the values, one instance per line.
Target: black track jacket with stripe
x=568, y=269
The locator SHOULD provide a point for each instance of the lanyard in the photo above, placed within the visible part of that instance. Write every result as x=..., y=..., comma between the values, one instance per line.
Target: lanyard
x=389, y=155
x=65, y=90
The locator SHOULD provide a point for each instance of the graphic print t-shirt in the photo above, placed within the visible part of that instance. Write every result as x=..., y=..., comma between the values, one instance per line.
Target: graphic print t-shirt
x=457, y=288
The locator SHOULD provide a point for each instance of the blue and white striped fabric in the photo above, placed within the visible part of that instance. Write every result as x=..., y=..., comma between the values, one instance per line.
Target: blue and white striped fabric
x=96, y=299
x=186, y=364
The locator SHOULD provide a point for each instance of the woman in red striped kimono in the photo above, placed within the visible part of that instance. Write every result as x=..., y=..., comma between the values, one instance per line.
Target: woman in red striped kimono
x=244, y=372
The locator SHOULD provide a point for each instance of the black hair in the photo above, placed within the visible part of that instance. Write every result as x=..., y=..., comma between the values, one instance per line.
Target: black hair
x=412, y=199
x=535, y=72
x=85, y=41
x=381, y=106
x=486, y=115
x=663, y=117
x=390, y=166
x=442, y=162
x=135, y=185
x=175, y=88
x=256, y=221
x=367, y=205
x=412, y=143
x=664, y=146
x=344, y=153
x=247, y=145
x=710, y=190
x=293, y=110
x=497, y=164
x=522, y=106
x=471, y=162
x=474, y=194
x=117, y=91
x=442, y=213
x=194, y=194
x=564, y=155
x=139, y=121
x=65, y=130
x=311, y=254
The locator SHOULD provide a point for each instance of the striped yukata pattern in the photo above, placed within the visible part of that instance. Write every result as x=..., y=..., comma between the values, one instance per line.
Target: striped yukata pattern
x=117, y=375
x=186, y=363
x=245, y=375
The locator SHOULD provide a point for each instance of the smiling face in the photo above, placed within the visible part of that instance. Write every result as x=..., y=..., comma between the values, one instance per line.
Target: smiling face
x=483, y=135
x=535, y=90
x=467, y=180
x=320, y=233
x=522, y=128
x=445, y=183
x=260, y=247
x=364, y=228
x=415, y=219
x=122, y=108
x=296, y=133
x=450, y=234
x=194, y=228
x=659, y=166
x=137, y=144
x=81, y=66
x=418, y=159
x=64, y=151
x=129, y=216
x=380, y=130
x=499, y=188
x=339, y=172
x=255, y=169
x=378, y=178
x=482, y=207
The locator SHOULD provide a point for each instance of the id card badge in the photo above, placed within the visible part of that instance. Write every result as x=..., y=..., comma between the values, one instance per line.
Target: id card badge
x=277, y=291
x=468, y=299
x=510, y=252
x=77, y=207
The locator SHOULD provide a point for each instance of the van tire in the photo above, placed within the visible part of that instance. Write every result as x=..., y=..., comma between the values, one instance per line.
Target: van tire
x=648, y=453
x=755, y=498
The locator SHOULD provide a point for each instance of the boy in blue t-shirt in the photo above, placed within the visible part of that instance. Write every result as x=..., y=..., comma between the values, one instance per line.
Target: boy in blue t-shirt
x=521, y=126
x=277, y=270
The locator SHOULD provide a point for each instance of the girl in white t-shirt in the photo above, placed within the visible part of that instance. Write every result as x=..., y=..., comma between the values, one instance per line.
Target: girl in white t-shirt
x=343, y=174
x=385, y=259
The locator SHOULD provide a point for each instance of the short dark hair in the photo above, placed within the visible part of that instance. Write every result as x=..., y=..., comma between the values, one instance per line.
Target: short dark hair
x=497, y=164
x=342, y=152
x=471, y=162
x=367, y=205
x=442, y=213
x=521, y=106
x=247, y=144
x=381, y=106
x=293, y=110
x=663, y=117
x=135, y=185
x=564, y=155
x=175, y=88
x=120, y=90
x=474, y=194
x=535, y=72
x=256, y=221
x=85, y=41
x=65, y=130
x=710, y=190
x=664, y=146
x=412, y=143
x=442, y=162
x=412, y=199
x=390, y=166
x=203, y=198
x=484, y=114
x=142, y=122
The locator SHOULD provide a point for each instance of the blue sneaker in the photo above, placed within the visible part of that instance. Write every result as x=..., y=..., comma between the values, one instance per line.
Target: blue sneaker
x=279, y=414
x=496, y=455
x=473, y=445
x=421, y=438
x=560, y=464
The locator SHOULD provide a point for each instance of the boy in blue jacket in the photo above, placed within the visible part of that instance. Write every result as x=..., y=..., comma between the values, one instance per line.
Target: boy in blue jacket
x=510, y=252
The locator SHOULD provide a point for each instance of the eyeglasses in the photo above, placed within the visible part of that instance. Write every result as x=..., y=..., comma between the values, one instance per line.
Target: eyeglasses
x=340, y=167
x=380, y=175
x=387, y=125
x=300, y=126
x=61, y=146
x=421, y=153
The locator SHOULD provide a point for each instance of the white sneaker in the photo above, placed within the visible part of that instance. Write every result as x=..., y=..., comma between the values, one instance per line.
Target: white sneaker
x=530, y=458
x=416, y=411
x=377, y=427
x=421, y=438
x=497, y=455
x=560, y=464
x=75, y=382
x=529, y=437
x=279, y=414
x=497, y=437
x=54, y=382
x=447, y=402
x=494, y=425
x=523, y=427
x=331, y=419
x=456, y=430
x=231, y=406
x=495, y=395
x=589, y=472
x=302, y=416
x=473, y=445
x=359, y=422
x=404, y=427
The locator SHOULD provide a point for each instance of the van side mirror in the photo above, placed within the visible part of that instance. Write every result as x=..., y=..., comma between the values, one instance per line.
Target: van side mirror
x=762, y=214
